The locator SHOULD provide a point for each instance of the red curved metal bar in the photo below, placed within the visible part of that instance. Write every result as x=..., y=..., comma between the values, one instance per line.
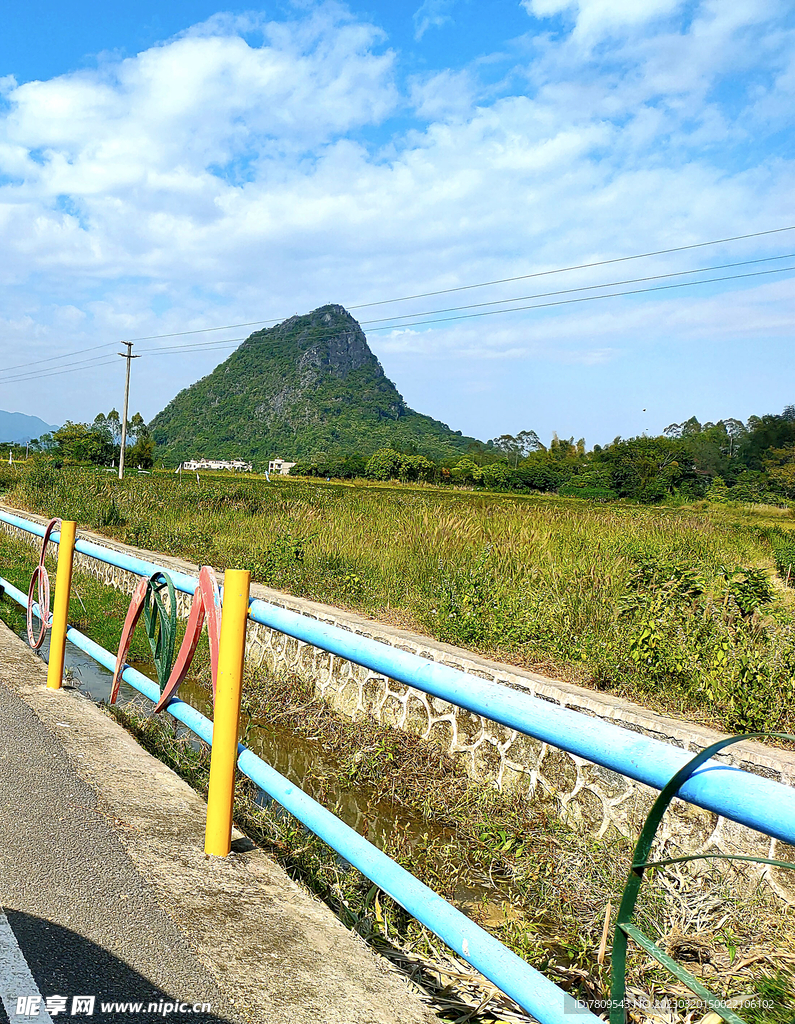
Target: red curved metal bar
x=130, y=622
x=41, y=579
x=206, y=604
x=212, y=609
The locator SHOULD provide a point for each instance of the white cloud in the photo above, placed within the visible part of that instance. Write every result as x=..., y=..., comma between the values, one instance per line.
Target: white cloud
x=600, y=17
x=442, y=95
x=210, y=180
x=432, y=14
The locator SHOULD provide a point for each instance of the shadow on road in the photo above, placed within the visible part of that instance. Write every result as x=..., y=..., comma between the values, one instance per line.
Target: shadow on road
x=66, y=964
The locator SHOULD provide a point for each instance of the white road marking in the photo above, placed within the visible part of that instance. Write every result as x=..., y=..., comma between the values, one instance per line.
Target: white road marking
x=16, y=979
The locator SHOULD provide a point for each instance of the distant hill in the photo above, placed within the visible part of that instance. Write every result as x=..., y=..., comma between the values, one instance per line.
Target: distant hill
x=16, y=426
x=308, y=386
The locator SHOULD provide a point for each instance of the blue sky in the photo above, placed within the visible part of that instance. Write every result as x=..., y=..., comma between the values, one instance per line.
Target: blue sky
x=182, y=166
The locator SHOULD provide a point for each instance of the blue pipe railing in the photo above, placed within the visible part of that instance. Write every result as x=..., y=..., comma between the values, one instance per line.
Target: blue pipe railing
x=752, y=800
x=528, y=987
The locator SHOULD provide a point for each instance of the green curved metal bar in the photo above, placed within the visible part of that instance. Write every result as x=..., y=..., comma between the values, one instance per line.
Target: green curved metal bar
x=719, y=856
x=625, y=929
x=161, y=623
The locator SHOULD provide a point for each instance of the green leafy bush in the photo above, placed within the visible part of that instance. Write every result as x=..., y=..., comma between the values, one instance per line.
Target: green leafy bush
x=783, y=547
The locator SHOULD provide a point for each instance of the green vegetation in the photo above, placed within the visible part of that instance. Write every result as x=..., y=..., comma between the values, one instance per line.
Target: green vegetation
x=311, y=390
x=521, y=577
x=684, y=609
x=725, y=461
x=309, y=387
x=97, y=443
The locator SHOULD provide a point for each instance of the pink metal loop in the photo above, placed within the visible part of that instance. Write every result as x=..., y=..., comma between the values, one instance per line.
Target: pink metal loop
x=41, y=579
x=206, y=604
x=212, y=610
x=186, y=651
x=130, y=621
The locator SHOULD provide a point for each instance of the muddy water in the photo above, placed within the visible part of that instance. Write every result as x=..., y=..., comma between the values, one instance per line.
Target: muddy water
x=303, y=761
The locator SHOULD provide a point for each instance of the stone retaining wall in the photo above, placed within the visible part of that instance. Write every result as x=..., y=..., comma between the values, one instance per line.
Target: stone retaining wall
x=587, y=795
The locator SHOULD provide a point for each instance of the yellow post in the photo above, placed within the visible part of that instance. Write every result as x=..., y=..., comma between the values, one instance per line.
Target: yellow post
x=60, y=614
x=226, y=723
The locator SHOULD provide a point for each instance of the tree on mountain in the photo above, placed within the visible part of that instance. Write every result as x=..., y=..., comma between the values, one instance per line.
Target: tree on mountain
x=142, y=452
x=764, y=433
x=780, y=466
x=98, y=443
x=111, y=423
x=79, y=443
x=466, y=471
x=713, y=447
x=497, y=475
x=415, y=467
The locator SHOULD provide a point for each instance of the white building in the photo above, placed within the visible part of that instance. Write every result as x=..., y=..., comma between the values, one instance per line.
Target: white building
x=280, y=466
x=235, y=464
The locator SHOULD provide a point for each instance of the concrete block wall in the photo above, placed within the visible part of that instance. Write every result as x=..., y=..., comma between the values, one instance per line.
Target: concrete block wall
x=587, y=795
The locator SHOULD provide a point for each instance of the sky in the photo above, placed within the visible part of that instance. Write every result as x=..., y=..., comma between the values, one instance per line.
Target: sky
x=176, y=167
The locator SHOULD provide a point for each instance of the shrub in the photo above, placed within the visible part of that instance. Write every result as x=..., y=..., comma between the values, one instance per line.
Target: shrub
x=384, y=465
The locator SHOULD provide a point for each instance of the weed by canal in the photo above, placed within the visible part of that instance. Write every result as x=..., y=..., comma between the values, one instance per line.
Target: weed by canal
x=516, y=868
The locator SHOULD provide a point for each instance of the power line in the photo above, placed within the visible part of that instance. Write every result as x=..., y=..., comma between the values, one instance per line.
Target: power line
x=447, y=291
x=209, y=346
x=191, y=346
x=579, y=266
x=53, y=370
x=89, y=364
x=37, y=375
x=487, y=284
x=63, y=355
x=206, y=330
x=214, y=345
x=584, y=288
x=566, y=291
x=586, y=298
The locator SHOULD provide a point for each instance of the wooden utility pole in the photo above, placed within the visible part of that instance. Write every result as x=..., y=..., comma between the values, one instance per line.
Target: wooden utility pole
x=129, y=357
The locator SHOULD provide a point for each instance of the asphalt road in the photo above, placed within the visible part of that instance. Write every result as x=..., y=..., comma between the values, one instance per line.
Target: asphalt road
x=82, y=916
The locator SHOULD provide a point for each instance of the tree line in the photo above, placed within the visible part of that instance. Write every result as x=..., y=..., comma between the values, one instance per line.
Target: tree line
x=97, y=443
x=724, y=461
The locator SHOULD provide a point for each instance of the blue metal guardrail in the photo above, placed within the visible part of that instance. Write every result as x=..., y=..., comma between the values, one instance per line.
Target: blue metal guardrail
x=760, y=803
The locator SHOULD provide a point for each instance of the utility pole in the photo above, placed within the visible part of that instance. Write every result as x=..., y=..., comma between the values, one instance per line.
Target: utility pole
x=128, y=356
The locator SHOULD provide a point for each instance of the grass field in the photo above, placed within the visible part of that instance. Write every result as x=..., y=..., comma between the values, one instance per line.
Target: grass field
x=685, y=609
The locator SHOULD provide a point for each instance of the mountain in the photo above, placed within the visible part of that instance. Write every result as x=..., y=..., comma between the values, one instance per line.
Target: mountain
x=308, y=386
x=16, y=426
